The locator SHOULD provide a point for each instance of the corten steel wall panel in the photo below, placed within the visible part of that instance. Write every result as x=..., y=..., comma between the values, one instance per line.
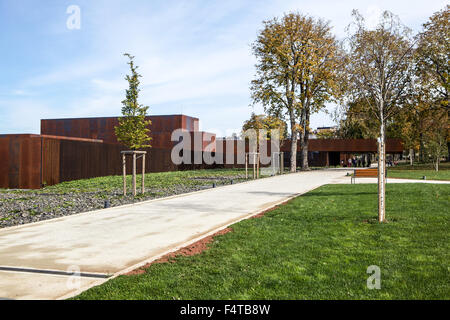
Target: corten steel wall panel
x=186, y=123
x=161, y=140
x=189, y=123
x=21, y=160
x=66, y=159
x=103, y=128
x=4, y=162
x=14, y=156
x=69, y=138
x=392, y=146
x=165, y=123
x=50, y=161
x=93, y=128
x=30, y=163
x=81, y=160
x=347, y=145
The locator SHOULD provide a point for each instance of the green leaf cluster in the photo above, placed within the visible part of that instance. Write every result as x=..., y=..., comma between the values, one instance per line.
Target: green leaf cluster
x=133, y=129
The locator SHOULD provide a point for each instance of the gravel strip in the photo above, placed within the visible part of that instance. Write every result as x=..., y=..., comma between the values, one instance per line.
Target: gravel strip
x=19, y=207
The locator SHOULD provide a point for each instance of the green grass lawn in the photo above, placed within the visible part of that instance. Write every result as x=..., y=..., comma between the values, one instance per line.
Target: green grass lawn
x=417, y=171
x=154, y=179
x=317, y=246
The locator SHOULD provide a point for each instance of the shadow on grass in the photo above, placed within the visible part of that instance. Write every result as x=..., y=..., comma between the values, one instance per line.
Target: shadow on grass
x=333, y=194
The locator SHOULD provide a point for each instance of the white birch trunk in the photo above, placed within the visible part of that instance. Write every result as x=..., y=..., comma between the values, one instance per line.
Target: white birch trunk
x=381, y=174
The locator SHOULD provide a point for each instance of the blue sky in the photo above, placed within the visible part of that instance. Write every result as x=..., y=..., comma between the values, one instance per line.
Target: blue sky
x=194, y=56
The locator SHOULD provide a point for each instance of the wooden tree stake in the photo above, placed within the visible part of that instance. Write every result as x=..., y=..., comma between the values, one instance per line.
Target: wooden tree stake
x=134, y=154
x=124, y=171
x=143, y=173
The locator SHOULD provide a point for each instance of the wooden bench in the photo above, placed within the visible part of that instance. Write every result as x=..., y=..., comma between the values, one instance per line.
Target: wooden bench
x=365, y=173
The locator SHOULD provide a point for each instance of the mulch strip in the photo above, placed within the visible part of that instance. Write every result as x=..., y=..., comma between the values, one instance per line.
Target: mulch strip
x=190, y=250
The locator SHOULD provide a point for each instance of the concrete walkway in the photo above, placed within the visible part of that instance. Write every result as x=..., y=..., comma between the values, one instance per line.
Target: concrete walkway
x=36, y=260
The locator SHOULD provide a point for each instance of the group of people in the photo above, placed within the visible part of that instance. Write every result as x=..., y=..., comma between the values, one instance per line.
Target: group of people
x=356, y=162
x=390, y=162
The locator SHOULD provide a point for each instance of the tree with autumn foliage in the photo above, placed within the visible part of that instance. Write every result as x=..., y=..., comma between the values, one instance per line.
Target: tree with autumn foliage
x=437, y=137
x=133, y=129
x=326, y=134
x=433, y=69
x=296, y=73
x=433, y=55
x=423, y=123
x=259, y=122
x=355, y=121
x=379, y=68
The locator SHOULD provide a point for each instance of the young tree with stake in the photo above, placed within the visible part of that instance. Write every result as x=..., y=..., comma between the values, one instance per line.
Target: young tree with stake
x=133, y=129
x=379, y=65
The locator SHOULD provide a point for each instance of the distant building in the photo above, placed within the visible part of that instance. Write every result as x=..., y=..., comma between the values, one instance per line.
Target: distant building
x=80, y=148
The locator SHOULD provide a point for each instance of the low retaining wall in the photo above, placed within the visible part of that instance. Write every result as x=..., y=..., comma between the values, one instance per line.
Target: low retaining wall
x=32, y=161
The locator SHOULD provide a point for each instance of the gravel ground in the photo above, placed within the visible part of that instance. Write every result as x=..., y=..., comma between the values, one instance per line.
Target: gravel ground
x=25, y=206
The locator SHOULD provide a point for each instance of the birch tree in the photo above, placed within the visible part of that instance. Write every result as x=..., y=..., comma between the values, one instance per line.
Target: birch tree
x=379, y=70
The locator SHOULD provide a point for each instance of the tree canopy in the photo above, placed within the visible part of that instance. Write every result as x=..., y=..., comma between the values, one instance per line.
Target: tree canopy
x=296, y=72
x=133, y=129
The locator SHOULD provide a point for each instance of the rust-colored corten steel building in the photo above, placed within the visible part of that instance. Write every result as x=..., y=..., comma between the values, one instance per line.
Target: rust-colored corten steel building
x=71, y=149
x=325, y=152
x=330, y=152
x=103, y=128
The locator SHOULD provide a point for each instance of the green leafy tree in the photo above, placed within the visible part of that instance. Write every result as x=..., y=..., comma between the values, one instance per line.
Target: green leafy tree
x=432, y=61
x=295, y=72
x=133, y=129
x=355, y=122
x=433, y=55
x=326, y=134
x=265, y=122
x=437, y=137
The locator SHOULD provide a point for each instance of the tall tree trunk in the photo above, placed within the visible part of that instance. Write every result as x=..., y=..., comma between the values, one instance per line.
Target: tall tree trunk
x=411, y=156
x=421, y=149
x=293, y=147
x=304, y=146
x=381, y=173
x=305, y=138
